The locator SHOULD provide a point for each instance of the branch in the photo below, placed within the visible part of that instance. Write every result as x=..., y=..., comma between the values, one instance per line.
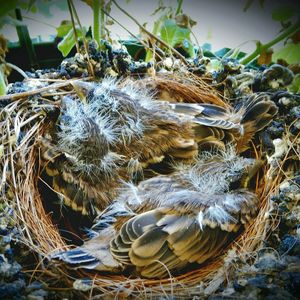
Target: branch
x=25, y=95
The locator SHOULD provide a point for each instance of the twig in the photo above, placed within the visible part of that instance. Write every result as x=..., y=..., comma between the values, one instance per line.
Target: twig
x=73, y=25
x=37, y=91
x=83, y=38
x=39, y=21
x=151, y=35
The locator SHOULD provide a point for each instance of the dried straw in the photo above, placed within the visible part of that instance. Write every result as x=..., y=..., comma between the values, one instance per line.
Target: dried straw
x=183, y=87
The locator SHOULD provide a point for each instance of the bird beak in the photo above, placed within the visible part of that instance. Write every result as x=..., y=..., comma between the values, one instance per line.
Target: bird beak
x=81, y=89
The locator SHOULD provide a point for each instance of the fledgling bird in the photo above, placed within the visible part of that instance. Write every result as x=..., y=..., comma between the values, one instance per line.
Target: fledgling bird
x=170, y=222
x=119, y=131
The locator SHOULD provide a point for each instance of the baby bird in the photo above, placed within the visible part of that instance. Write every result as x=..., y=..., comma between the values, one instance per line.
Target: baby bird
x=117, y=132
x=172, y=222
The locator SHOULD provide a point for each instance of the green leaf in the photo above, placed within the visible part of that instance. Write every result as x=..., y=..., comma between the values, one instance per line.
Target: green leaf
x=214, y=65
x=2, y=83
x=7, y=6
x=282, y=14
x=68, y=42
x=232, y=53
x=64, y=27
x=290, y=52
x=175, y=35
x=294, y=87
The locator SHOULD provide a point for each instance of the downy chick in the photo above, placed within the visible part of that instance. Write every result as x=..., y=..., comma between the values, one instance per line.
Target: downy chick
x=170, y=222
x=119, y=131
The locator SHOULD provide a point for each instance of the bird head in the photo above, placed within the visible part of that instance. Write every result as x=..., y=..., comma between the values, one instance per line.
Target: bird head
x=118, y=100
x=92, y=145
x=216, y=173
x=241, y=171
x=85, y=136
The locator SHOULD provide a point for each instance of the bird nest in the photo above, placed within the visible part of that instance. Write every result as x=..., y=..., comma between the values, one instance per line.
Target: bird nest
x=25, y=118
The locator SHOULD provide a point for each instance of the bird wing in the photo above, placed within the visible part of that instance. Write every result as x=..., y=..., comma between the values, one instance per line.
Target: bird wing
x=78, y=190
x=94, y=254
x=165, y=239
x=161, y=226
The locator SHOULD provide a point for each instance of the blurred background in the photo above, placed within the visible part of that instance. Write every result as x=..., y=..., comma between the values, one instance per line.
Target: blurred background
x=219, y=23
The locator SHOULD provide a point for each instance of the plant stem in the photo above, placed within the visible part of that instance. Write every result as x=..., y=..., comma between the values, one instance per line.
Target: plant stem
x=90, y=67
x=96, y=28
x=3, y=85
x=102, y=20
x=151, y=35
x=16, y=68
x=39, y=21
x=263, y=47
x=73, y=25
x=179, y=7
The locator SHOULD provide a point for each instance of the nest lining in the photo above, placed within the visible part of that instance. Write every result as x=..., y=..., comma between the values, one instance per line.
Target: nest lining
x=25, y=119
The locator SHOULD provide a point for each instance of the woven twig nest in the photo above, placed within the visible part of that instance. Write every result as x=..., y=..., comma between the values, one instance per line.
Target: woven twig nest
x=25, y=119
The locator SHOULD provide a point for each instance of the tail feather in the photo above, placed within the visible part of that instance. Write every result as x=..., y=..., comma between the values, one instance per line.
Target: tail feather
x=219, y=123
x=259, y=110
x=78, y=258
x=93, y=254
x=217, y=126
x=211, y=110
x=195, y=109
x=264, y=122
x=257, y=113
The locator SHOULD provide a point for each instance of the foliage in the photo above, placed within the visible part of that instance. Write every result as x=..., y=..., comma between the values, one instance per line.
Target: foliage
x=290, y=21
x=282, y=14
x=176, y=34
x=174, y=28
x=66, y=32
x=67, y=29
x=7, y=9
x=2, y=82
x=295, y=86
x=290, y=52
